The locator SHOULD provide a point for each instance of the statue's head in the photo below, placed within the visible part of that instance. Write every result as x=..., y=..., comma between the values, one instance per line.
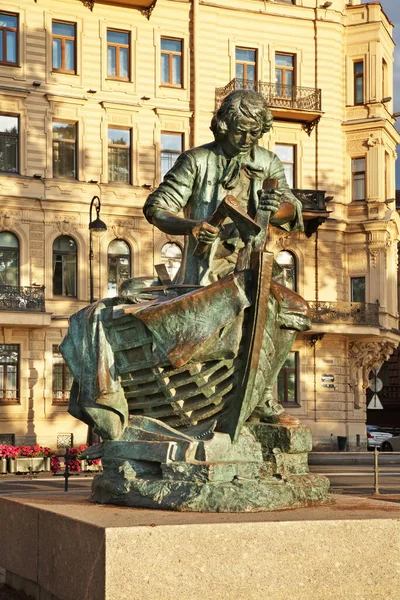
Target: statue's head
x=241, y=120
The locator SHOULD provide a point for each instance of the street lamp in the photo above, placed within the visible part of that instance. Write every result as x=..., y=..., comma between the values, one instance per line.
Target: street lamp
x=95, y=226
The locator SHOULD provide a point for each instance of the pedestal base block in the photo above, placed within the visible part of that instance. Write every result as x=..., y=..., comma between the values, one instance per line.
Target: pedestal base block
x=67, y=548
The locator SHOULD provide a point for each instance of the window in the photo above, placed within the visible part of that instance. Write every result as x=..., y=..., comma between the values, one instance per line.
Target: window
x=171, y=62
x=287, y=276
x=64, y=150
x=119, y=155
x=9, y=150
x=9, y=371
x=118, y=50
x=284, y=75
x=287, y=155
x=9, y=259
x=358, y=178
x=171, y=257
x=384, y=79
x=246, y=67
x=64, y=266
x=64, y=47
x=357, y=291
x=119, y=265
x=8, y=39
x=62, y=378
x=288, y=380
x=171, y=148
x=358, y=75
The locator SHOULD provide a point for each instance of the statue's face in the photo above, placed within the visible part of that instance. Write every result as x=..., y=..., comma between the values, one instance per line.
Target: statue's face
x=242, y=135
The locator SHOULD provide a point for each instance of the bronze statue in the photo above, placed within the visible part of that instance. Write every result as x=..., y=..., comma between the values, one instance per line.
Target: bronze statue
x=168, y=373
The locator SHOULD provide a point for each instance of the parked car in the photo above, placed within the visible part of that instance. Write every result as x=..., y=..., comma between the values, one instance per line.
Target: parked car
x=392, y=444
x=376, y=437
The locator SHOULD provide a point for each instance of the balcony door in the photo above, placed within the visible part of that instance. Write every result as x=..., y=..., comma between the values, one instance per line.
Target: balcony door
x=246, y=68
x=9, y=259
x=285, y=77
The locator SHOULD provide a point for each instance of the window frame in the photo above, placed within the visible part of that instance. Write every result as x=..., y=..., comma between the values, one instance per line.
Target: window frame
x=353, y=178
x=16, y=400
x=171, y=54
x=65, y=253
x=285, y=372
x=357, y=76
x=284, y=70
x=164, y=151
x=245, y=64
x=120, y=146
x=16, y=250
x=293, y=268
x=65, y=370
x=63, y=40
x=294, y=163
x=5, y=135
x=353, y=278
x=128, y=46
x=66, y=141
x=118, y=256
x=16, y=30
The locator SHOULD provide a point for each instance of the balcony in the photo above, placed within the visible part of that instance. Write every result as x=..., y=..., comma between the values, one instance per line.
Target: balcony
x=287, y=102
x=25, y=298
x=346, y=313
x=314, y=208
x=145, y=6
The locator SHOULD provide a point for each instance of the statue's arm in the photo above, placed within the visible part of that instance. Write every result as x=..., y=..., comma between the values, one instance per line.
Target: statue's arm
x=163, y=206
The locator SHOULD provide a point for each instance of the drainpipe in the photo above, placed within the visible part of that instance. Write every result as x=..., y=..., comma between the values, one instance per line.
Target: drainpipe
x=196, y=72
x=316, y=177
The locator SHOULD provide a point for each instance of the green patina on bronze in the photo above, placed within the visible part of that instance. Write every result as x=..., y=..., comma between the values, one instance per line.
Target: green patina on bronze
x=177, y=377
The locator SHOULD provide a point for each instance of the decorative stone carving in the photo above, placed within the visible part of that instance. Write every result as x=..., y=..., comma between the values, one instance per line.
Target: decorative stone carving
x=358, y=261
x=366, y=356
x=6, y=222
x=373, y=254
x=65, y=227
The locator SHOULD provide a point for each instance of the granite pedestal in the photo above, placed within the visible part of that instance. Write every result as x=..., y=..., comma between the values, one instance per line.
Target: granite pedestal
x=67, y=548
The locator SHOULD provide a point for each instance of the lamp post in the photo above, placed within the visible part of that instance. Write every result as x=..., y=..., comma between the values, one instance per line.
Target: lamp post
x=94, y=226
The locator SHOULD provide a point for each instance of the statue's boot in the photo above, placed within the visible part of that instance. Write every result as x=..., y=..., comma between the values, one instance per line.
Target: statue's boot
x=268, y=409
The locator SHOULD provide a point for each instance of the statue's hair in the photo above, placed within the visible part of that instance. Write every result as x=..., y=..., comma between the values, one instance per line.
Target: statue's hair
x=238, y=104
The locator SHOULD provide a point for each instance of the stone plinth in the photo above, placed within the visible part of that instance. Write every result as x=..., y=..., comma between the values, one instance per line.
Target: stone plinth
x=67, y=548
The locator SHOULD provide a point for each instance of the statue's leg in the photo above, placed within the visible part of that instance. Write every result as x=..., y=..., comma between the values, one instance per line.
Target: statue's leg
x=287, y=314
x=269, y=408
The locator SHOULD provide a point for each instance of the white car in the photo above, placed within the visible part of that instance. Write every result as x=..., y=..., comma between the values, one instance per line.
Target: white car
x=377, y=437
x=392, y=444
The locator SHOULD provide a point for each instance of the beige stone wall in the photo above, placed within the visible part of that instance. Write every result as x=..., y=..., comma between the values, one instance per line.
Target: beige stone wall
x=357, y=239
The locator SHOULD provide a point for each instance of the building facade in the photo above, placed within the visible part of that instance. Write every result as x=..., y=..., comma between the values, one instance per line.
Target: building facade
x=98, y=98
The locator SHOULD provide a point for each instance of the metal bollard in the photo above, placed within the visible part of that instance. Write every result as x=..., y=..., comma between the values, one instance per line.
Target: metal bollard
x=66, y=472
x=376, y=470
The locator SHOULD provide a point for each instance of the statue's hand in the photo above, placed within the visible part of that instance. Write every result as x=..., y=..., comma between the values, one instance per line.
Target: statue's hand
x=204, y=232
x=269, y=200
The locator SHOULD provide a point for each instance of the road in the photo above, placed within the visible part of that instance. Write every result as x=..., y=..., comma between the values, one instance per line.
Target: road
x=345, y=478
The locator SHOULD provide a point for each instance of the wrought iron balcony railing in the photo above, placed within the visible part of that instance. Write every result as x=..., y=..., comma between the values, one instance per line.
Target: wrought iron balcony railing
x=350, y=313
x=277, y=96
x=22, y=298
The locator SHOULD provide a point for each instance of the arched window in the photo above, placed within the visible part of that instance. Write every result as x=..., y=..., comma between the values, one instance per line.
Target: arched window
x=288, y=275
x=171, y=257
x=9, y=259
x=64, y=266
x=119, y=265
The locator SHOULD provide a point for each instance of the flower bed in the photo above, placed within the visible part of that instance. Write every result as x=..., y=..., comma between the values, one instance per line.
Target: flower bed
x=76, y=462
x=24, y=459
